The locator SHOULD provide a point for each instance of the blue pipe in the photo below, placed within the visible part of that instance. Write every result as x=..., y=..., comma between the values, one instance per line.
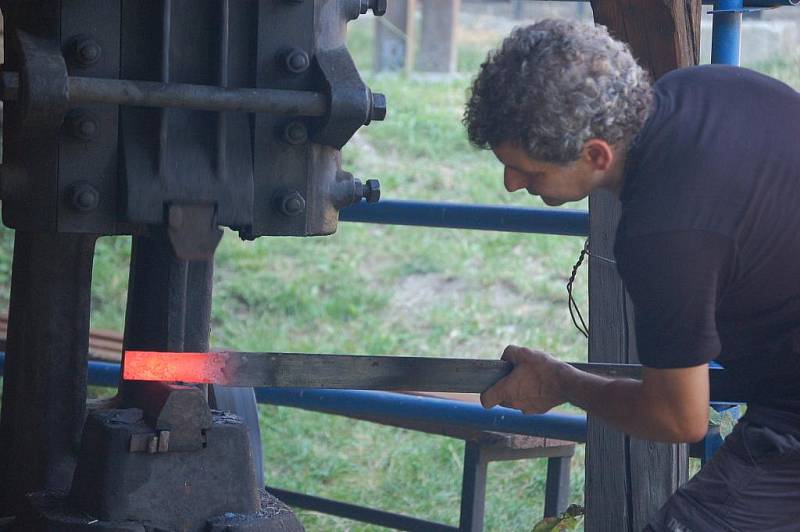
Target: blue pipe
x=417, y=408
x=466, y=216
x=394, y=405
x=726, y=41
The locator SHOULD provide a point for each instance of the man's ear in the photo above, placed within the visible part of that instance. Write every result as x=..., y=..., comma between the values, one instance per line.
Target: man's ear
x=598, y=154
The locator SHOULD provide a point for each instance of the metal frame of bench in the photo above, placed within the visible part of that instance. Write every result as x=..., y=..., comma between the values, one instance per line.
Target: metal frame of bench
x=480, y=448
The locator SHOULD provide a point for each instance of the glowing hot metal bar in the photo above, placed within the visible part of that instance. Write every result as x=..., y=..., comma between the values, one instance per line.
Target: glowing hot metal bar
x=290, y=370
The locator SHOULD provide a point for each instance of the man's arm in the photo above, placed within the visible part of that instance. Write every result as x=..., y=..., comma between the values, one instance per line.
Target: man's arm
x=666, y=405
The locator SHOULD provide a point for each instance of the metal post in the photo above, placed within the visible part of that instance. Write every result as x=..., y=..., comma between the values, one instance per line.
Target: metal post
x=726, y=34
x=45, y=376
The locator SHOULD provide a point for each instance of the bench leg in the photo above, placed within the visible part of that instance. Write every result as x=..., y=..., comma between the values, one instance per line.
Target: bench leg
x=556, y=497
x=473, y=488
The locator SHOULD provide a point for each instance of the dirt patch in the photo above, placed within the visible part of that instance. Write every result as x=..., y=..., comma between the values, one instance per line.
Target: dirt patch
x=418, y=293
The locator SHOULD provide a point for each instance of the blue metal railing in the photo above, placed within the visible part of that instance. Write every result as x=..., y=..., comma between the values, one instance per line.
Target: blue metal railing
x=468, y=216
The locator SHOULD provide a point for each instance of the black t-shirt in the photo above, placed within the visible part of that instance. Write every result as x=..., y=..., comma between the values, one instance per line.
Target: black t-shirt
x=708, y=245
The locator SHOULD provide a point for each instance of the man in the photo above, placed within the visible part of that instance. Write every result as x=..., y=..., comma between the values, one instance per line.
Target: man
x=707, y=167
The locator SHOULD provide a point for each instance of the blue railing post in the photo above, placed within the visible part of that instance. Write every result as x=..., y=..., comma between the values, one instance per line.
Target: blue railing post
x=726, y=42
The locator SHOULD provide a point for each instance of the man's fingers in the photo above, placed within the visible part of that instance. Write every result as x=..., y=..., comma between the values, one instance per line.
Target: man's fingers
x=510, y=353
x=495, y=394
x=490, y=398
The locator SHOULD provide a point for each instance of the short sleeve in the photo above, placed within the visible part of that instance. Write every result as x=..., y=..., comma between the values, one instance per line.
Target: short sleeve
x=674, y=280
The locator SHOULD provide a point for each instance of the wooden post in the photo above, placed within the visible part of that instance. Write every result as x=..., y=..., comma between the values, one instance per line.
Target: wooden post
x=395, y=36
x=439, y=30
x=627, y=480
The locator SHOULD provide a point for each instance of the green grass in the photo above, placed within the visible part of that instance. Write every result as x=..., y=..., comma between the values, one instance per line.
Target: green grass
x=397, y=291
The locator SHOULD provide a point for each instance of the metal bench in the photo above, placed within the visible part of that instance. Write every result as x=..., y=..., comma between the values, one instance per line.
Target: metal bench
x=480, y=448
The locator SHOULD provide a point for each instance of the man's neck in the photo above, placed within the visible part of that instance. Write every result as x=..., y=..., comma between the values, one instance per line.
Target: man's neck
x=616, y=174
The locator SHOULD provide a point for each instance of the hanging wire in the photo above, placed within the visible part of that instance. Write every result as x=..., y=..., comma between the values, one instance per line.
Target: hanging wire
x=573, y=306
x=574, y=310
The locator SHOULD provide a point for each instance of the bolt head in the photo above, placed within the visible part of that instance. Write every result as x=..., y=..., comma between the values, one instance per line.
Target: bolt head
x=292, y=203
x=85, y=198
x=297, y=61
x=295, y=132
x=86, y=51
x=82, y=125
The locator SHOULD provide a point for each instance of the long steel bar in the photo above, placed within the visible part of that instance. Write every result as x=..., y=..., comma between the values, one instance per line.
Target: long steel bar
x=305, y=370
x=397, y=406
x=413, y=407
x=201, y=97
x=465, y=216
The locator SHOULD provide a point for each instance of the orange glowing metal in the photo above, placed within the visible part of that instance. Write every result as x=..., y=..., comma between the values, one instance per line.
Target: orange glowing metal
x=164, y=366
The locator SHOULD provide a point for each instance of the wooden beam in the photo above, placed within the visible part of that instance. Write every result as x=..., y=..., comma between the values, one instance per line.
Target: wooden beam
x=395, y=36
x=437, y=51
x=627, y=480
x=663, y=34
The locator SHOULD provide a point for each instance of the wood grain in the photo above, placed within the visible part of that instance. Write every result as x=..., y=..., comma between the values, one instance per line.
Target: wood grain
x=627, y=480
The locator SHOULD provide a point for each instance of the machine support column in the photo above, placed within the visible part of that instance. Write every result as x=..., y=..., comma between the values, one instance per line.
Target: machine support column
x=44, y=388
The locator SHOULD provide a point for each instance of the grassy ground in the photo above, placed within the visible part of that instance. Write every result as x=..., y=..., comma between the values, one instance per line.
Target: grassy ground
x=393, y=290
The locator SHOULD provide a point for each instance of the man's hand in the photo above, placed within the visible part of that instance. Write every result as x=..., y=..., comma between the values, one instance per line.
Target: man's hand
x=533, y=386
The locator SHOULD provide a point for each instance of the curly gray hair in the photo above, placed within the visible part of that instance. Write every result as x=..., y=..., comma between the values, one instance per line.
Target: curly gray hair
x=554, y=85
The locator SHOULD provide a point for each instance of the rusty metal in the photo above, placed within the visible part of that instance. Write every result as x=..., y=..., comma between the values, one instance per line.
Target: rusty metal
x=163, y=120
x=111, y=73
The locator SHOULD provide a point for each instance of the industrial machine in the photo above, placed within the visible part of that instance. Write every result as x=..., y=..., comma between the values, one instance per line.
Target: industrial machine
x=165, y=120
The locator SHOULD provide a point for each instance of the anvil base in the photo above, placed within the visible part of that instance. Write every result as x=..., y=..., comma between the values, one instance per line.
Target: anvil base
x=122, y=486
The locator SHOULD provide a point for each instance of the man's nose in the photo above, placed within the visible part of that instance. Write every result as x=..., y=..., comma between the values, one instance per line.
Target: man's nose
x=512, y=180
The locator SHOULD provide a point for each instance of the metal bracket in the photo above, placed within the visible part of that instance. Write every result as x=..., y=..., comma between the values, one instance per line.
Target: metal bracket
x=42, y=91
x=192, y=231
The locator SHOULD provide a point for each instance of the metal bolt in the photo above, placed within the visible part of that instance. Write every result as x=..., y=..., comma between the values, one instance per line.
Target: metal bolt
x=377, y=107
x=378, y=7
x=372, y=190
x=82, y=125
x=295, y=132
x=291, y=203
x=84, y=197
x=297, y=61
x=86, y=51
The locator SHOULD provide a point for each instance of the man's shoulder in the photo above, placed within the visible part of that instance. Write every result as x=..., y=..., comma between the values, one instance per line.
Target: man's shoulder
x=724, y=78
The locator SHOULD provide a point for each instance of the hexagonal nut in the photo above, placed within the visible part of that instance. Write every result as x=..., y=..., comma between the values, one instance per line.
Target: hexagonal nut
x=378, y=7
x=372, y=190
x=377, y=108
